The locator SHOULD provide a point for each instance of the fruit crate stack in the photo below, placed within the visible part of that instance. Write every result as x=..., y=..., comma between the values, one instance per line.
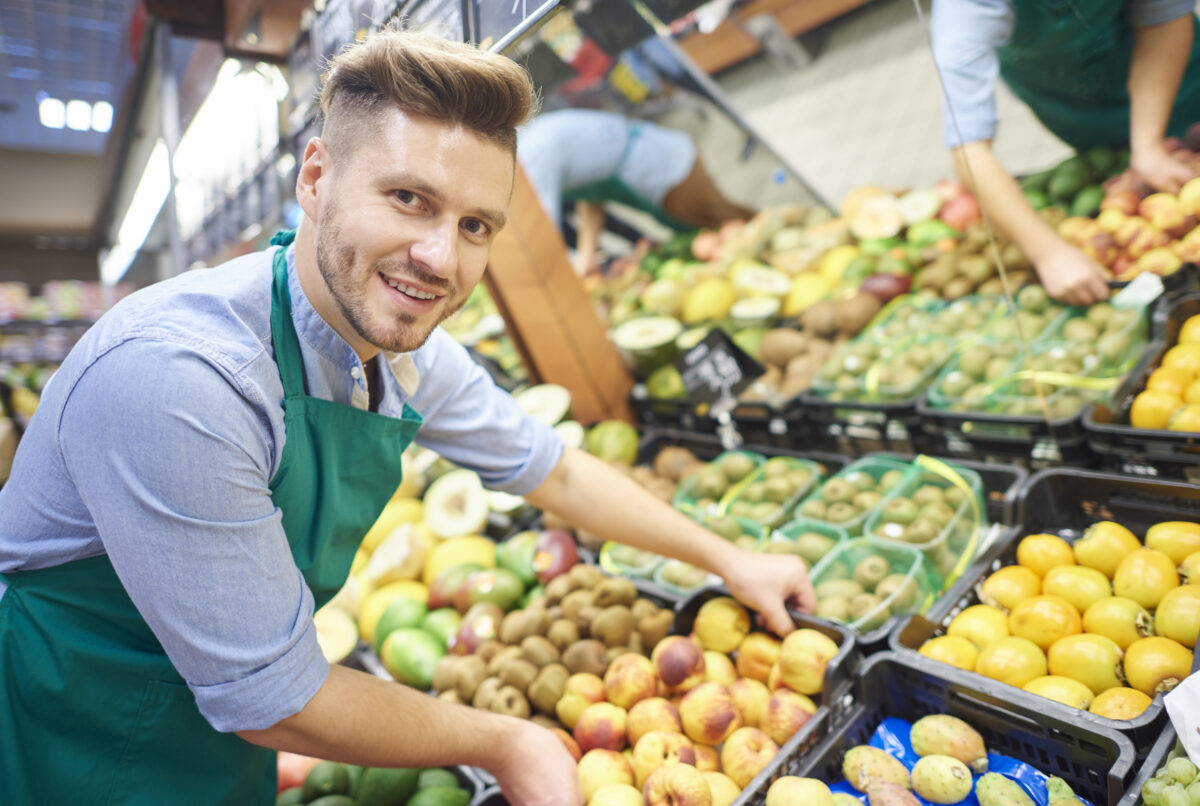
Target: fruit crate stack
x=1037, y=623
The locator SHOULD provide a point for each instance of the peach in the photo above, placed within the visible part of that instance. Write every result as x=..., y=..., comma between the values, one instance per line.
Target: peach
x=629, y=679
x=568, y=742
x=601, y=725
x=1076, y=228
x=679, y=662
x=1123, y=199
x=1189, y=250
x=1122, y=264
x=746, y=753
x=721, y=624
x=617, y=795
x=1129, y=230
x=757, y=653
x=802, y=660
x=708, y=714
x=650, y=714
x=1181, y=229
x=1110, y=220
x=580, y=691
x=677, y=785
x=792, y=791
x=786, y=712
x=719, y=668
x=600, y=767
x=1157, y=203
x=707, y=758
x=657, y=748
x=1101, y=247
x=750, y=699
x=1189, y=196
x=775, y=678
x=1149, y=237
x=1161, y=261
x=724, y=790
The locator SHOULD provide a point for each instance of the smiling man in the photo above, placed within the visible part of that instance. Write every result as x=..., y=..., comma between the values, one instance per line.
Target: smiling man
x=203, y=467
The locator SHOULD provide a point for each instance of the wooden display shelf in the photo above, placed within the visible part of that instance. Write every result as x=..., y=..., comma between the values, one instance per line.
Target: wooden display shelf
x=730, y=43
x=549, y=315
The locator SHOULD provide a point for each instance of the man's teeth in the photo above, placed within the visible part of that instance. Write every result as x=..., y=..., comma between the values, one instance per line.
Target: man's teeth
x=408, y=289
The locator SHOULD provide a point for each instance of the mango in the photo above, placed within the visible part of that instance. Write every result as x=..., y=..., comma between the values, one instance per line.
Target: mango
x=865, y=765
x=994, y=789
x=943, y=735
x=941, y=779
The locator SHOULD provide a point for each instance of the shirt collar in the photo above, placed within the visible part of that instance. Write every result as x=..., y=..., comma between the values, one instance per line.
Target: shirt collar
x=318, y=334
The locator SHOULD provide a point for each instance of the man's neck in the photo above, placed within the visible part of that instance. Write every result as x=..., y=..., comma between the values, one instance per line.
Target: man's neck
x=319, y=296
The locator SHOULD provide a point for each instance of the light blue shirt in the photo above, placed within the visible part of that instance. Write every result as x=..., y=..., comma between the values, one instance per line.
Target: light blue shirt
x=155, y=443
x=966, y=34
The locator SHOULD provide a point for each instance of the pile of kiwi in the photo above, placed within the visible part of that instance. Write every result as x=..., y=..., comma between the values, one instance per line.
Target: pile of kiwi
x=848, y=497
x=584, y=621
x=867, y=594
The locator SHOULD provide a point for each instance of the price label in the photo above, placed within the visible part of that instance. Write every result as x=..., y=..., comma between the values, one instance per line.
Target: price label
x=716, y=369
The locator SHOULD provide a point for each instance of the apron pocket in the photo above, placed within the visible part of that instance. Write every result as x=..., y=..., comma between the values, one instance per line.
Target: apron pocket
x=173, y=755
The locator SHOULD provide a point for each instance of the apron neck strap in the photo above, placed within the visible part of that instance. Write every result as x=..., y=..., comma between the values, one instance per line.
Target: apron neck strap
x=283, y=332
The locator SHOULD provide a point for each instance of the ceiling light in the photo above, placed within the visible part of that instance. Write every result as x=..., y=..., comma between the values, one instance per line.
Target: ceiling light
x=102, y=116
x=52, y=113
x=79, y=115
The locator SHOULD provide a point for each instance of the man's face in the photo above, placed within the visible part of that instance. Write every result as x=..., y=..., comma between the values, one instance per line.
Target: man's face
x=405, y=223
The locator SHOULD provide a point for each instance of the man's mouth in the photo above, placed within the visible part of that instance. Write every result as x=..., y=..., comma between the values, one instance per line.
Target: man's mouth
x=411, y=291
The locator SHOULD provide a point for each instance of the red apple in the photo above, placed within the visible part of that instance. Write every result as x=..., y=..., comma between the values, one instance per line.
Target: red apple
x=556, y=553
x=480, y=624
x=886, y=287
x=961, y=211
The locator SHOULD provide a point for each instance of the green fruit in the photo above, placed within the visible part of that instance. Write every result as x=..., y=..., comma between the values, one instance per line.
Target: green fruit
x=496, y=585
x=356, y=773
x=333, y=800
x=1037, y=199
x=1064, y=186
x=290, y=797
x=1087, y=201
x=387, y=787
x=813, y=508
x=436, y=776
x=927, y=233
x=443, y=622
x=665, y=383
x=861, y=479
x=440, y=796
x=410, y=655
x=1102, y=160
x=889, y=480
x=516, y=555
x=736, y=466
x=812, y=546
x=613, y=441
x=327, y=778
x=1037, y=181
x=402, y=612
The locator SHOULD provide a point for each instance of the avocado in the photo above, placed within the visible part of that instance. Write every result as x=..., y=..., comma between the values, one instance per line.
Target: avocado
x=386, y=787
x=1087, y=201
x=440, y=796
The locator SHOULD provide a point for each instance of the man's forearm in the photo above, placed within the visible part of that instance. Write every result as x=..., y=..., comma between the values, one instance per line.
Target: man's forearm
x=1002, y=199
x=1160, y=57
x=590, y=495
x=359, y=719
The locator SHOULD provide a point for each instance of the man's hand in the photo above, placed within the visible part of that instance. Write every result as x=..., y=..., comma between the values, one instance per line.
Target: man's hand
x=1159, y=168
x=537, y=770
x=1071, y=276
x=770, y=583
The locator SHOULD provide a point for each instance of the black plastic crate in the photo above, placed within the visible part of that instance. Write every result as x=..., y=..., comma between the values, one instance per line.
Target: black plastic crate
x=1065, y=502
x=1002, y=483
x=857, y=428
x=1142, y=451
x=1154, y=759
x=785, y=426
x=1096, y=762
x=708, y=446
x=652, y=412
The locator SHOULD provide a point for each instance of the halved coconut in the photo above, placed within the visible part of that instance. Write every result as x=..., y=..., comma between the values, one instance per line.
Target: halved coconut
x=877, y=217
x=504, y=503
x=456, y=504
x=919, y=205
x=753, y=279
x=648, y=342
x=547, y=402
x=571, y=433
x=754, y=311
x=337, y=634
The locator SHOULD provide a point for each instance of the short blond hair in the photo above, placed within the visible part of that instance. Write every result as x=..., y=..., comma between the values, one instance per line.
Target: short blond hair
x=423, y=75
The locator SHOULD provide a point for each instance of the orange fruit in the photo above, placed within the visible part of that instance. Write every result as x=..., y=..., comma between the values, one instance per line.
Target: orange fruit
x=1061, y=689
x=1153, y=409
x=1192, y=393
x=1080, y=586
x=980, y=624
x=1045, y=619
x=1011, y=585
x=1176, y=539
x=1119, y=618
x=1184, y=356
x=1120, y=703
x=1190, y=332
x=1156, y=664
x=1169, y=379
x=1178, y=615
x=1093, y=660
x=1186, y=418
x=1104, y=545
x=1040, y=553
x=1145, y=576
x=952, y=649
x=1012, y=660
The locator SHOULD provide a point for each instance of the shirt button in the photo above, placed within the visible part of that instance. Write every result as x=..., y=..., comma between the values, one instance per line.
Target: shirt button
x=355, y=373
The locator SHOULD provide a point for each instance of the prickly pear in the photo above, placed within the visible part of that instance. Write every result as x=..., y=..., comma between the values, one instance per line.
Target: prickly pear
x=1061, y=794
x=994, y=789
x=943, y=735
x=864, y=765
x=941, y=779
x=842, y=799
x=888, y=793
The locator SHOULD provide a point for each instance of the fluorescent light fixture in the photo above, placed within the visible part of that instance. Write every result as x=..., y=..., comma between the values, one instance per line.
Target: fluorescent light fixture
x=102, y=116
x=52, y=113
x=79, y=115
x=143, y=211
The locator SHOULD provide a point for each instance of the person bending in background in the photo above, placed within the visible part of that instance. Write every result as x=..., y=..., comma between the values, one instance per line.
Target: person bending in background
x=590, y=156
x=1104, y=72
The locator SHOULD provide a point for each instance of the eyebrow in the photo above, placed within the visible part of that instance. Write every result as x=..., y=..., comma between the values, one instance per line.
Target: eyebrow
x=494, y=218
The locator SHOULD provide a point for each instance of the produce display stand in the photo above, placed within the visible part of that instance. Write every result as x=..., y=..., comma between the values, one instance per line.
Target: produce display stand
x=1140, y=451
x=1097, y=762
x=1154, y=759
x=856, y=427
x=708, y=446
x=1065, y=502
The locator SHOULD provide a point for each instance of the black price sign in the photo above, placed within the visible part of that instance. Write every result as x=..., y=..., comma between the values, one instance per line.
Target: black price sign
x=716, y=368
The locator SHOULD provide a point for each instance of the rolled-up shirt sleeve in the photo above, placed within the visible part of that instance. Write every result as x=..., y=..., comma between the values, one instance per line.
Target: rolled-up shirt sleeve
x=1156, y=12
x=473, y=423
x=965, y=35
x=175, y=474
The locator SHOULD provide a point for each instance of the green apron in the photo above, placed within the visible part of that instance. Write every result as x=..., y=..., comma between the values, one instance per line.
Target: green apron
x=1069, y=62
x=93, y=711
x=613, y=188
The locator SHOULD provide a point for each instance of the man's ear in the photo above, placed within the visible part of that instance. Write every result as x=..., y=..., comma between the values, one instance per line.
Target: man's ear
x=312, y=170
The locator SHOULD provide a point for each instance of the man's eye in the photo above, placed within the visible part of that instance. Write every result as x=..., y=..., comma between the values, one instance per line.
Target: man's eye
x=475, y=226
x=406, y=196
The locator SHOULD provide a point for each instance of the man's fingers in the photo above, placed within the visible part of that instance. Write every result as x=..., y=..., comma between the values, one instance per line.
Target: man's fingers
x=778, y=620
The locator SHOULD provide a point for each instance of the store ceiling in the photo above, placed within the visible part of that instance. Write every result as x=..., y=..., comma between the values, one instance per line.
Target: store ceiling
x=65, y=49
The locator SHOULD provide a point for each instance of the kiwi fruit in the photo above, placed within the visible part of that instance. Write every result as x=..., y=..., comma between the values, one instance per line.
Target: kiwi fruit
x=613, y=625
x=485, y=692
x=870, y=607
x=839, y=587
x=562, y=633
x=834, y=608
x=502, y=657
x=813, y=508
x=614, y=591
x=642, y=608
x=518, y=625
x=558, y=588
x=870, y=571
x=586, y=656
x=539, y=650
x=510, y=701
x=575, y=601
x=546, y=689
x=655, y=627
x=488, y=650
x=584, y=619
x=471, y=672
x=450, y=695
x=585, y=576
x=445, y=672
x=903, y=590
x=927, y=494
x=517, y=672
